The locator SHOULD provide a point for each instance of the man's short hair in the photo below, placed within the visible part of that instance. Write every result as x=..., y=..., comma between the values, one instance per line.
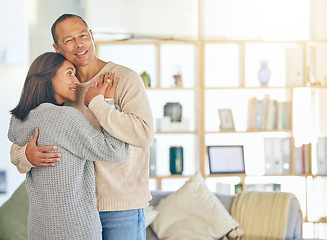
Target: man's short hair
x=60, y=19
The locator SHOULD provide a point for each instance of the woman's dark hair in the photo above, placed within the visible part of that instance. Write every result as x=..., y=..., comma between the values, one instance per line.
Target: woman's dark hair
x=38, y=84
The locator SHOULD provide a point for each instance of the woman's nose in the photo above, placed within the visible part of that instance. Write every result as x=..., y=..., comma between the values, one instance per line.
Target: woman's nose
x=76, y=81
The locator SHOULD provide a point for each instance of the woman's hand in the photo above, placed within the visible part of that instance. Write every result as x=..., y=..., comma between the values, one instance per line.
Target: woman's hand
x=111, y=88
x=106, y=86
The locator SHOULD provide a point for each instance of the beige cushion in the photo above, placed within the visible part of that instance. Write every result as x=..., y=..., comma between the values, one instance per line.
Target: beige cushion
x=192, y=212
x=150, y=214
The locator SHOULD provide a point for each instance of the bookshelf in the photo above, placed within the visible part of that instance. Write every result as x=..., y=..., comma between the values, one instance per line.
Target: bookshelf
x=223, y=74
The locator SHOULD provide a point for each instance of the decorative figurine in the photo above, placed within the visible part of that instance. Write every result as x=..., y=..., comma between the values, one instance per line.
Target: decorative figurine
x=178, y=77
x=146, y=79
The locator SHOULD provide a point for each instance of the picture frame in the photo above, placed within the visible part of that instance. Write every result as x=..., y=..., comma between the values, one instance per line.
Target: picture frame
x=226, y=120
x=174, y=111
x=226, y=159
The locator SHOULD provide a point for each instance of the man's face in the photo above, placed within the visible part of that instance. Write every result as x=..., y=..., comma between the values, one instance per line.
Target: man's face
x=75, y=41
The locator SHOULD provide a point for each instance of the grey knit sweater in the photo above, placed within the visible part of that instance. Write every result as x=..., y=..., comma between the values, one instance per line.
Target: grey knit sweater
x=62, y=198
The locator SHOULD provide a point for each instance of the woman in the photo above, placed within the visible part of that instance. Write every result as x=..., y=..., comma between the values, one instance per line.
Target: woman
x=62, y=198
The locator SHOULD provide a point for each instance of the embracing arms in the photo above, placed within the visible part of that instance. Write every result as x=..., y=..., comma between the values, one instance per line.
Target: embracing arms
x=134, y=124
x=24, y=158
x=68, y=129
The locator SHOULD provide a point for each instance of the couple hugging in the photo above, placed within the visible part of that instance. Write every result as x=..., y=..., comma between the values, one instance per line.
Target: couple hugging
x=81, y=132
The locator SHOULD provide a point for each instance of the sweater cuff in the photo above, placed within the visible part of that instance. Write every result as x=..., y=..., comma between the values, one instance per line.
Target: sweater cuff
x=19, y=159
x=23, y=159
x=97, y=105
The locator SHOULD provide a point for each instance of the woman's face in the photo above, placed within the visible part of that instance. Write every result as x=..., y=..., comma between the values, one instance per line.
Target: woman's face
x=65, y=83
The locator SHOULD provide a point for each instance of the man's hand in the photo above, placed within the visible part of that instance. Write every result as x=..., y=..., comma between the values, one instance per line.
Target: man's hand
x=36, y=154
x=106, y=86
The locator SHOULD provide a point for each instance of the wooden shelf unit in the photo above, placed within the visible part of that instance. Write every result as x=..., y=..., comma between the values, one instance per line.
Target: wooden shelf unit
x=200, y=89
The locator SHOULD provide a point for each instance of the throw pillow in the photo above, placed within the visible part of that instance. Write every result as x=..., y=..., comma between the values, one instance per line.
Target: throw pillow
x=150, y=214
x=13, y=215
x=193, y=212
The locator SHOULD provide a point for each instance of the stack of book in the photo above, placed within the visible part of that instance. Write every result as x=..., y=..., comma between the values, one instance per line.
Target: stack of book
x=268, y=114
x=309, y=163
x=264, y=187
x=303, y=159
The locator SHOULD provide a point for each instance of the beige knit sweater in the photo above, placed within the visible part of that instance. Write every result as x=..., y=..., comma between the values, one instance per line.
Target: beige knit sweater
x=119, y=186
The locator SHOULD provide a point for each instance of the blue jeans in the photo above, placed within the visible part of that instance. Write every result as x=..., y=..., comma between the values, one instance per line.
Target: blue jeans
x=123, y=225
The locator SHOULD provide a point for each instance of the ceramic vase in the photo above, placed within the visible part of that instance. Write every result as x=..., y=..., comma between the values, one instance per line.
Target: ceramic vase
x=176, y=160
x=264, y=73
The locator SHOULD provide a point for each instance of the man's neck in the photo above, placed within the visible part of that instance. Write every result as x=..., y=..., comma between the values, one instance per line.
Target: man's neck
x=86, y=73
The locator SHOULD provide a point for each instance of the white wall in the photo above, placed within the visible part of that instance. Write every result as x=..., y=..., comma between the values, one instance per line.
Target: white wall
x=13, y=63
x=168, y=18
x=42, y=14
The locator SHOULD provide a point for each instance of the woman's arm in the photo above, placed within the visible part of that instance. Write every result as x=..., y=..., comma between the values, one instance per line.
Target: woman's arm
x=71, y=130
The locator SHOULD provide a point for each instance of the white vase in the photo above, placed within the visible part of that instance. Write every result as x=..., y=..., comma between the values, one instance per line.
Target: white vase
x=264, y=73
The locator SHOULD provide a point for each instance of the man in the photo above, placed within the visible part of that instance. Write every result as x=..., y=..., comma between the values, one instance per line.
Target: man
x=122, y=190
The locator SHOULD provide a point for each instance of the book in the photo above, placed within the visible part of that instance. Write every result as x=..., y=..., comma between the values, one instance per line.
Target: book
x=309, y=153
x=258, y=115
x=306, y=158
x=322, y=156
x=153, y=159
x=279, y=115
x=286, y=155
x=252, y=113
x=264, y=110
x=277, y=155
x=277, y=152
x=285, y=116
x=269, y=158
x=298, y=160
x=264, y=187
x=271, y=115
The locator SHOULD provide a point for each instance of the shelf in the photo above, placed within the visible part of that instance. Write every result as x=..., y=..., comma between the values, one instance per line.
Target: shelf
x=233, y=88
x=253, y=88
x=241, y=175
x=169, y=176
x=308, y=175
x=171, y=89
x=320, y=220
x=249, y=131
x=195, y=132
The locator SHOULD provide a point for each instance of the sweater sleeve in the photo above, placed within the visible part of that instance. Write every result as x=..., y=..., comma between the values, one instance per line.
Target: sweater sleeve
x=19, y=159
x=134, y=124
x=73, y=132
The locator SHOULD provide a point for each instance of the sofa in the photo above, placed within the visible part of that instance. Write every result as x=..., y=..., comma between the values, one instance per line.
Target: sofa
x=13, y=213
x=294, y=219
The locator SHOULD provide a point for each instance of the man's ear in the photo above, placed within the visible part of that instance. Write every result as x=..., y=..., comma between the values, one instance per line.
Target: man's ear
x=91, y=35
x=56, y=48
